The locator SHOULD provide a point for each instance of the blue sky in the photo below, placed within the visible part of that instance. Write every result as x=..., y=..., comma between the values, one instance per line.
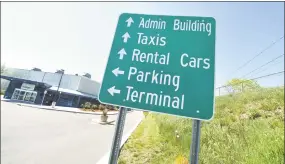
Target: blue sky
x=77, y=37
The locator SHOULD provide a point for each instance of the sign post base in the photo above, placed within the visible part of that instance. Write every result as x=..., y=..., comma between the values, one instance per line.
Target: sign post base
x=118, y=136
x=196, y=130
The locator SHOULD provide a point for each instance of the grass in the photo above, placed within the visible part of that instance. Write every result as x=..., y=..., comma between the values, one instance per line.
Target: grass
x=247, y=128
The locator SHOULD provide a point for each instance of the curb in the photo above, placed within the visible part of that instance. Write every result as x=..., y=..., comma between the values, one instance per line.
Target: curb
x=68, y=111
x=105, y=158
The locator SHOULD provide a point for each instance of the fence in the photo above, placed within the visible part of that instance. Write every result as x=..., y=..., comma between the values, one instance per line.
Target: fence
x=270, y=80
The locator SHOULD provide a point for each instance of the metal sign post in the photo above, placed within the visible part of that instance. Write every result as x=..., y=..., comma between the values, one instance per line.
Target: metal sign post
x=196, y=130
x=118, y=136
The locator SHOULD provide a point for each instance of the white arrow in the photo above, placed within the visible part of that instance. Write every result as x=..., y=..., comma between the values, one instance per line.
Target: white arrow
x=129, y=21
x=117, y=72
x=122, y=52
x=112, y=90
x=126, y=36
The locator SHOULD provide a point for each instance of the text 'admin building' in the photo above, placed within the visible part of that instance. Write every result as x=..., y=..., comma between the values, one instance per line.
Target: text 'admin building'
x=35, y=86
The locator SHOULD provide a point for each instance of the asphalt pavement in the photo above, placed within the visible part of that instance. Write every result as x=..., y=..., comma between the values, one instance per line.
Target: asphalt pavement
x=35, y=136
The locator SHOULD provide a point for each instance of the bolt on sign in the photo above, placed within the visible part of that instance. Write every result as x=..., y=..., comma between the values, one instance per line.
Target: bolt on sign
x=163, y=64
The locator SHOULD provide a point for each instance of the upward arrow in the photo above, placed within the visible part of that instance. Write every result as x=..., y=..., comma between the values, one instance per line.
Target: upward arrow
x=129, y=21
x=122, y=52
x=126, y=36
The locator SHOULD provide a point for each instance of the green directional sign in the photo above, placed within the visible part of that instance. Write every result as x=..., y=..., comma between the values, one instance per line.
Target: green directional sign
x=162, y=64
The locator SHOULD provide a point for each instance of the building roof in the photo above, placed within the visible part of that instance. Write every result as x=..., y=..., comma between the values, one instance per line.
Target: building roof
x=25, y=80
x=54, y=88
x=81, y=84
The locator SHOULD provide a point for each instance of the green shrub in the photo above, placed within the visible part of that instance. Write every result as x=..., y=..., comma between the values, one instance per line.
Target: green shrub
x=94, y=106
x=269, y=104
x=87, y=105
x=101, y=107
x=181, y=160
x=255, y=115
x=247, y=128
x=145, y=113
x=110, y=107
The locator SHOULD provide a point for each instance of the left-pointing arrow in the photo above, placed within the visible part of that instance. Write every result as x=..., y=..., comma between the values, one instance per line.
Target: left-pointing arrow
x=117, y=72
x=112, y=90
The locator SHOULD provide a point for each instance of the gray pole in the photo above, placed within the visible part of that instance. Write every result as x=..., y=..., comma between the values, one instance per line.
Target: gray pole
x=43, y=98
x=196, y=130
x=43, y=77
x=62, y=72
x=118, y=136
x=58, y=97
x=59, y=85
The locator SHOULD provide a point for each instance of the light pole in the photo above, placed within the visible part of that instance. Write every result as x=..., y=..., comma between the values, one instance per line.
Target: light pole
x=55, y=97
x=43, y=77
x=44, y=97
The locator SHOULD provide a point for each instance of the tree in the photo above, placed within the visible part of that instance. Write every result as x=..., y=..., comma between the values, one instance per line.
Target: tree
x=240, y=85
x=88, y=75
x=36, y=69
x=61, y=71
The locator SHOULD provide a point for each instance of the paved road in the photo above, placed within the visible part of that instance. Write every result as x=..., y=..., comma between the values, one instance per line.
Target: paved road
x=37, y=136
